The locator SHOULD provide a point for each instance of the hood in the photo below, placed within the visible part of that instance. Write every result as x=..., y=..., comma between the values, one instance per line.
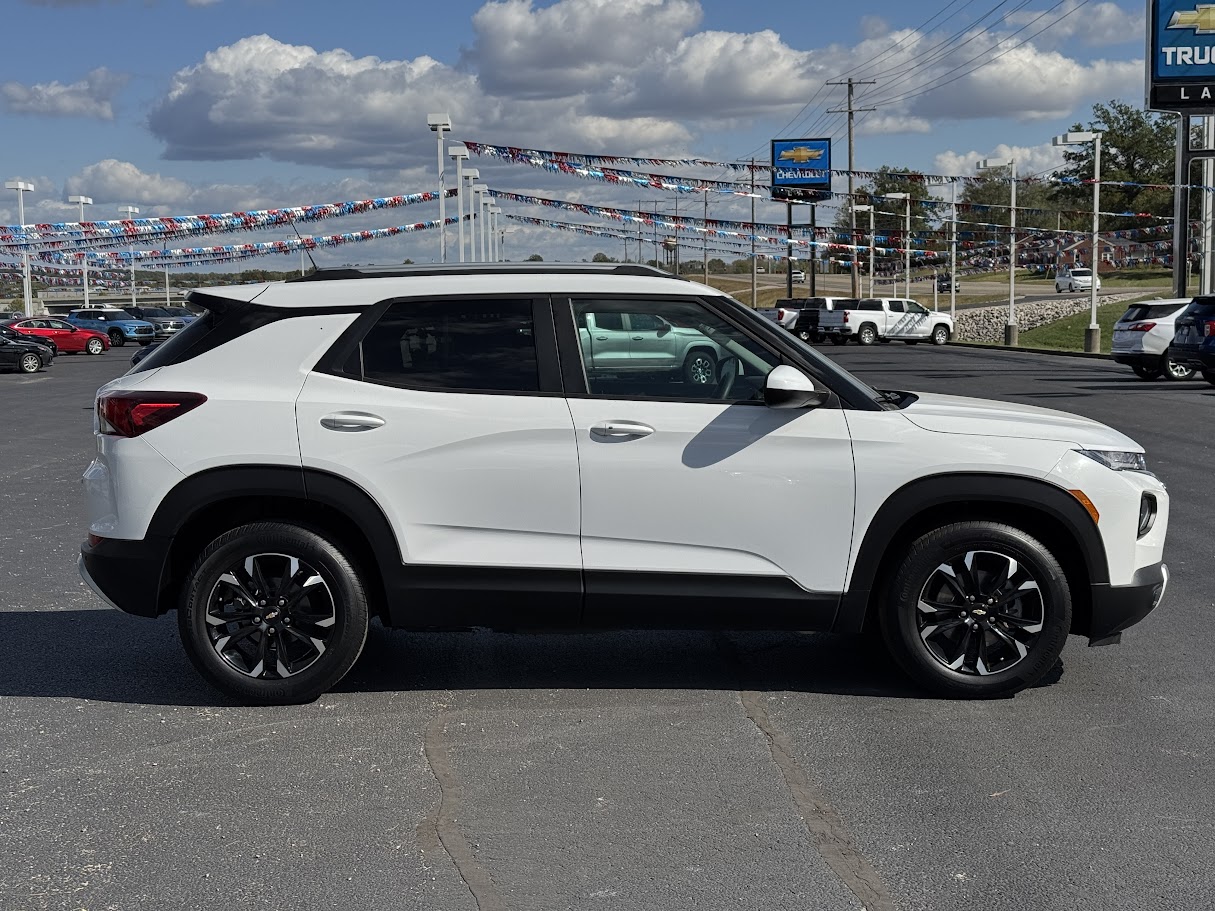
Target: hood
x=984, y=417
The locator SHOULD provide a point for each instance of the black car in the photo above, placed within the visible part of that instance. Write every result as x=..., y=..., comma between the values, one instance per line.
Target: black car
x=1194, y=338
x=143, y=352
x=23, y=355
x=9, y=332
x=948, y=283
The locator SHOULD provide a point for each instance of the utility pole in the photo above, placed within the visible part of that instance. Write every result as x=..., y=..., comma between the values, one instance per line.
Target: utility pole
x=850, y=110
x=754, y=278
x=705, y=237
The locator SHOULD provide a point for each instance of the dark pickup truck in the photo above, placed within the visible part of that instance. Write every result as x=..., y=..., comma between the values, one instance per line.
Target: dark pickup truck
x=806, y=326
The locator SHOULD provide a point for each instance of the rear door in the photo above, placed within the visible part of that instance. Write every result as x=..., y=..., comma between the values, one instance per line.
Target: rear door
x=449, y=413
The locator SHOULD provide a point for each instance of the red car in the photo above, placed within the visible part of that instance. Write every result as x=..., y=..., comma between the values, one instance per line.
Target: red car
x=69, y=339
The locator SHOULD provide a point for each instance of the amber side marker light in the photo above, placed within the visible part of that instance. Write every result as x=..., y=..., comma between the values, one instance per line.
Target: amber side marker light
x=1088, y=504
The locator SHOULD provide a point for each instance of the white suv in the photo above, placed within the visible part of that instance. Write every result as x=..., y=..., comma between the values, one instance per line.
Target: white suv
x=1142, y=337
x=426, y=445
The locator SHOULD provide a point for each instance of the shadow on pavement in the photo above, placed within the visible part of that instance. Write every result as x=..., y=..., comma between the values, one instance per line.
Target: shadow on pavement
x=104, y=656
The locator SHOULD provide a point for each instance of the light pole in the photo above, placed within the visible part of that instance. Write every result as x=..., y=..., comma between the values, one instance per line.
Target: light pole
x=494, y=212
x=906, y=197
x=486, y=202
x=131, y=210
x=22, y=187
x=988, y=164
x=478, y=243
x=471, y=175
x=1092, y=335
x=872, y=242
x=459, y=154
x=440, y=124
x=84, y=256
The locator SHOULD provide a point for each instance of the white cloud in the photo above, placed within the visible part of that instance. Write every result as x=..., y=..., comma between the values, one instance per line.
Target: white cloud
x=120, y=182
x=1030, y=159
x=92, y=96
x=1092, y=24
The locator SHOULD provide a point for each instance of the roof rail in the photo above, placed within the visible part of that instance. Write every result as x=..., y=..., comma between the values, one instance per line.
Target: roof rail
x=526, y=268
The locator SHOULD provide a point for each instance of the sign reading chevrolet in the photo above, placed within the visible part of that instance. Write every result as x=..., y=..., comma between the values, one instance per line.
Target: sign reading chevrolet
x=1181, y=56
x=801, y=169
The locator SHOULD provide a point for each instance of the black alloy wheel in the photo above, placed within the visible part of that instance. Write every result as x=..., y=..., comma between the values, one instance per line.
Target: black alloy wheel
x=117, y=340
x=273, y=614
x=977, y=609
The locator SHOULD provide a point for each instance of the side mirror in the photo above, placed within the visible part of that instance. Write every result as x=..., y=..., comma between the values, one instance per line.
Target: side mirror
x=664, y=329
x=788, y=387
x=73, y=329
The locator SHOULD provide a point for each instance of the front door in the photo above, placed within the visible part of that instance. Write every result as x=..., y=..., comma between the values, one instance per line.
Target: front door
x=701, y=506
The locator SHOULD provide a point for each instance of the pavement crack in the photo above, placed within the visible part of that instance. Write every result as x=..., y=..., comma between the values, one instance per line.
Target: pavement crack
x=442, y=829
x=827, y=831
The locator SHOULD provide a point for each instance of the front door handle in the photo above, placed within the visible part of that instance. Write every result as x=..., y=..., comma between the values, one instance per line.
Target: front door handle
x=622, y=429
x=351, y=421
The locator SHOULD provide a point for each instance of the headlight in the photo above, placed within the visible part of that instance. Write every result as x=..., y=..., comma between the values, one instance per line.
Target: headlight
x=1117, y=461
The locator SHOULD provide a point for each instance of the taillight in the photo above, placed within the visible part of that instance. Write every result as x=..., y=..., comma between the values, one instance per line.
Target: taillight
x=128, y=414
x=780, y=313
x=1141, y=327
x=1208, y=328
x=845, y=316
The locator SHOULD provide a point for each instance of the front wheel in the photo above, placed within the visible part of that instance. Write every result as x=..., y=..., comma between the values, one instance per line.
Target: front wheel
x=867, y=334
x=30, y=363
x=700, y=368
x=273, y=614
x=977, y=609
x=1175, y=371
x=117, y=339
x=94, y=346
x=940, y=335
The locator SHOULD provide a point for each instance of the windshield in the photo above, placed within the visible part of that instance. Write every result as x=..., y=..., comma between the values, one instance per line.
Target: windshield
x=1081, y=273
x=841, y=378
x=1151, y=311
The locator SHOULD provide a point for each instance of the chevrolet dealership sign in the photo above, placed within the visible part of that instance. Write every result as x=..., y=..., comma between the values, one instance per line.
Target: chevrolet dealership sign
x=1181, y=56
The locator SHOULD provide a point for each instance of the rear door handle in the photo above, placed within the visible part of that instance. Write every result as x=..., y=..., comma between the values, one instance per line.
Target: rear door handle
x=351, y=421
x=622, y=429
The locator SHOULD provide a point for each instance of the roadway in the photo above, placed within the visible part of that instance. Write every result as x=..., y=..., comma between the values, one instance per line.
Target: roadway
x=480, y=772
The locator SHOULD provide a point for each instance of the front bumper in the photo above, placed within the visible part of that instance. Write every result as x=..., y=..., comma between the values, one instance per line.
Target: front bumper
x=1119, y=607
x=126, y=574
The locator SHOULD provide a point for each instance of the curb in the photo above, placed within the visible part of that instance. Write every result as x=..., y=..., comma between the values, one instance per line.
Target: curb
x=995, y=346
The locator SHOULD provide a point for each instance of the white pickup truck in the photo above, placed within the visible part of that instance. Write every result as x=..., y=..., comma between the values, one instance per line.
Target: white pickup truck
x=881, y=319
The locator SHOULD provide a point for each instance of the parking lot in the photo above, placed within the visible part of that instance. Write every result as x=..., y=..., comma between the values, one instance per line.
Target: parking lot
x=620, y=770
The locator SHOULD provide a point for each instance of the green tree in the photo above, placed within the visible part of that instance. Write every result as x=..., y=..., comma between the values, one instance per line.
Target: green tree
x=535, y=258
x=602, y=258
x=717, y=265
x=1136, y=146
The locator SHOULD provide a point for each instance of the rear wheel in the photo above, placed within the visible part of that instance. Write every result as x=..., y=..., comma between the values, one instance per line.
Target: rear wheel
x=94, y=346
x=804, y=335
x=1175, y=371
x=273, y=614
x=977, y=609
x=117, y=340
x=30, y=363
x=1146, y=373
x=867, y=334
x=700, y=368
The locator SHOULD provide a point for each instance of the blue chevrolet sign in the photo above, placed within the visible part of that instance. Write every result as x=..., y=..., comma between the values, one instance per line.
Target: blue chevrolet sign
x=1181, y=56
x=800, y=169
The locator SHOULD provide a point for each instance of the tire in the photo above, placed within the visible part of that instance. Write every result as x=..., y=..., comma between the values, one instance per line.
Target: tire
x=940, y=335
x=253, y=560
x=30, y=363
x=94, y=346
x=911, y=341
x=1209, y=376
x=117, y=339
x=804, y=336
x=700, y=368
x=931, y=612
x=1146, y=373
x=143, y=343
x=1171, y=370
x=839, y=339
x=867, y=334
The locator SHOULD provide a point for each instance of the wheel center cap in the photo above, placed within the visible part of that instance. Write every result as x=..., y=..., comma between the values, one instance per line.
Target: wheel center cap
x=979, y=612
x=270, y=615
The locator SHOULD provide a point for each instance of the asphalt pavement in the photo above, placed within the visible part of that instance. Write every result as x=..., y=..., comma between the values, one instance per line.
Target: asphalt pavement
x=621, y=770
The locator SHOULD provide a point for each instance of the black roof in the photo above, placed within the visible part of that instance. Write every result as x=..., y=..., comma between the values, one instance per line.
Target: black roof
x=525, y=268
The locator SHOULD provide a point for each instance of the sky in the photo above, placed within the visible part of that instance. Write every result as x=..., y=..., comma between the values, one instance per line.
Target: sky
x=198, y=106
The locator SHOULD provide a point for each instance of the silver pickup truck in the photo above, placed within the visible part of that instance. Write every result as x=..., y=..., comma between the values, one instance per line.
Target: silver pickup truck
x=643, y=343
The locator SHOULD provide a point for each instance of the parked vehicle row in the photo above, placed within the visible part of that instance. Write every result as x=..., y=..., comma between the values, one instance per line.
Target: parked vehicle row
x=24, y=354
x=63, y=336
x=1173, y=339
